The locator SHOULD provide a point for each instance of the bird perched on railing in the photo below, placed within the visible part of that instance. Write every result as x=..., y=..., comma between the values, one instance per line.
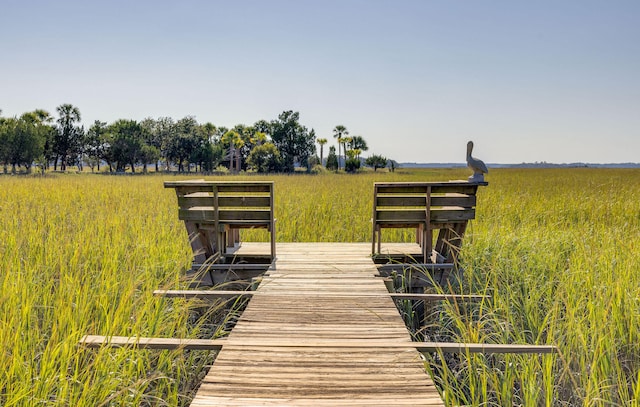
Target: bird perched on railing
x=477, y=166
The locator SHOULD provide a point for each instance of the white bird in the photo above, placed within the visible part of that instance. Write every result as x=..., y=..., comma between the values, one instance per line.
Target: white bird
x=477, y=166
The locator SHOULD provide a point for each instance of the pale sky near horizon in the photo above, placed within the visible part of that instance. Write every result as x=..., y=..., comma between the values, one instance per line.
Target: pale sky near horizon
x=555, y=81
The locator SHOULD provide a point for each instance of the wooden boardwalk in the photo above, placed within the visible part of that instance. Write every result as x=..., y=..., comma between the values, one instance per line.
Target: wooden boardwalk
x=315, y=334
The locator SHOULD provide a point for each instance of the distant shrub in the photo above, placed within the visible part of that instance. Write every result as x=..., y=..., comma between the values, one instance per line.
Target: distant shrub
x=319, y=169
x=332, y=159
x=352, y=165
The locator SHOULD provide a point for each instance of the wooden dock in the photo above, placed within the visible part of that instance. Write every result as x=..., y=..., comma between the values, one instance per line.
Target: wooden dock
x=321, y=329
x=316, y=334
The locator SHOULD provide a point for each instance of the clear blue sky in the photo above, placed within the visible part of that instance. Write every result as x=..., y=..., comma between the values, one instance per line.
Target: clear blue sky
x=555, y=81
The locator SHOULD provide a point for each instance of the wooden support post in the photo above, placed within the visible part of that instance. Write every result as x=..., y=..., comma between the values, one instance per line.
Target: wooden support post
x=427, y=239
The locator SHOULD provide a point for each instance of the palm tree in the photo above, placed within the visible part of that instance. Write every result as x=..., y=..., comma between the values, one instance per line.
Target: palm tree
x=258, y=138
x=340, y=143
x=322, y=142
x=338, y=132
x=209, y=130
x=358, y=143
x=235, y=141
x=346, y=141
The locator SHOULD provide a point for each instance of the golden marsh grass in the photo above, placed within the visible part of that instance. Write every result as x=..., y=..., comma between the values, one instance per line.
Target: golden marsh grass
x=557, y=250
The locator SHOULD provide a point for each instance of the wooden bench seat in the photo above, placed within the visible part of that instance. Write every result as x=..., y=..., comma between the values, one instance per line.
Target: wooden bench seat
x=427, y=207
x=214, y=211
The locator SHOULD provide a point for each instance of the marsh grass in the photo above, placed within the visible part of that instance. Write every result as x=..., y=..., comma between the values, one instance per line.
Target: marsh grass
x=558, y=251
x=83, y=255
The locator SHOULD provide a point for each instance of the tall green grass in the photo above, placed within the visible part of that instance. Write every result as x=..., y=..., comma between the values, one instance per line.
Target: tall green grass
x=557, y=250
x=82, y=255
x=559, y=253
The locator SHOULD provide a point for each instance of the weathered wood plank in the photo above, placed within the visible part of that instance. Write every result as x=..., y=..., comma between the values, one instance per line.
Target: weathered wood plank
x=198, y=199
x=207, y=214
x=486, y=348
x=205, y=294
x=223, y=186
x=396, y=200
x=96, y=341
x=421, y=187
x=438, y=215
x=201, y=294
x=392, y=400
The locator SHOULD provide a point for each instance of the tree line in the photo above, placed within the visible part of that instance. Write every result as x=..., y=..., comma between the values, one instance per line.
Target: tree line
x=37, y=139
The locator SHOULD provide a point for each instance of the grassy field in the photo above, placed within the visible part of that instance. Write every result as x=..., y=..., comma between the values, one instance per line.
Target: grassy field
x=557, y=250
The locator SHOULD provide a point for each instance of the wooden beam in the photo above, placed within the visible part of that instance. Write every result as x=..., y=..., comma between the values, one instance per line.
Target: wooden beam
x=97, y=341
x=385, y=269
x=438, y=297
x=486, y=348
x=201, y=294
x=211, y=294
x=233, y=266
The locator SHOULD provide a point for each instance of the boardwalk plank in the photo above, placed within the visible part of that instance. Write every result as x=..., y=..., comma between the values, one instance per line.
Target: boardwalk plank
x=320, y=344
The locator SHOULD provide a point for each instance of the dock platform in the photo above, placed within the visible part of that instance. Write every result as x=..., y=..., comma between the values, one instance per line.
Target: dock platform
x=316, y=334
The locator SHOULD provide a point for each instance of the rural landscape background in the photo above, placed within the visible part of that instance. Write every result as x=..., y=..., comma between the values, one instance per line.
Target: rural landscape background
x=324, y=98
x=557, y=251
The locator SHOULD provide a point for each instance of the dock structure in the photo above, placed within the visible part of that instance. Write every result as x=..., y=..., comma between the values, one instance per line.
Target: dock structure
x=316, y=333
x=321, y=328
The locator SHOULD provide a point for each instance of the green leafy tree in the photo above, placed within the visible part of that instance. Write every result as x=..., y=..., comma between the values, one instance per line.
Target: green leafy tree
x=203, y=154
x=165, y=131
x=43, y=120
x=5, y=142
x=208, y=152
x=265, y=158
x=155, y=133
x=310, y=158
x=332, y=160
x=376, y=161
x=294, y=141
x=352, y=164
x=184, y=142
x=210, y=156
x=148, y=154
x=97, y=146
x=69, y=140
x=8, y=130
x=20, y=143
x=262, y=126
x=250, y=137
x=127, y=143
x=22, y=140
